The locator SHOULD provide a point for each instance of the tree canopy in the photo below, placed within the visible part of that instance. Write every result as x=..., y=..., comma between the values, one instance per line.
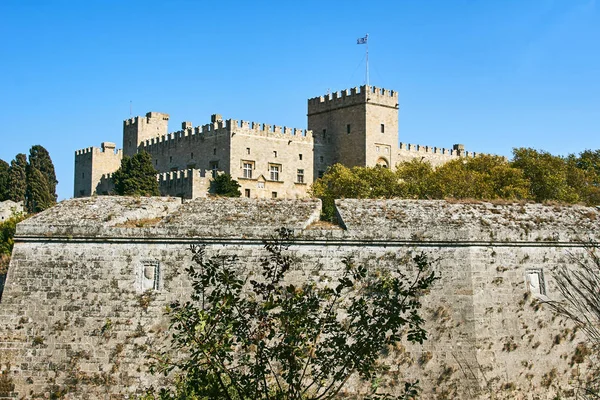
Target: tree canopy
x=532, y=175
x=136, y=176
x=17, y=178
x=263, y=335
x=224, y=185
x=4, y=167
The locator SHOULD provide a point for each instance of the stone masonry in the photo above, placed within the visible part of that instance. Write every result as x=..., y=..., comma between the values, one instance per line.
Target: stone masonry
x=90, y=278
x=358, y=127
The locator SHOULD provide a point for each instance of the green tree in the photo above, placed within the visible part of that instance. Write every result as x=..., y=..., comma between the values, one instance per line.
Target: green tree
x=224, y=185
x=548, y=175
x=7, y=233
x=265, y=337
x=38, y=194
x=39, y=159
x=357, y=182
x=17, y=178
x=415, y=178
x=4, y=167
x=136, y=176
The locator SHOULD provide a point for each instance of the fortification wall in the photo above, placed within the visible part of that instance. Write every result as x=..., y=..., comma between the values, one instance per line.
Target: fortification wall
x=435, y=155
x=186, y=184
x=92, y=165
x=8, y=208
x=75, y=301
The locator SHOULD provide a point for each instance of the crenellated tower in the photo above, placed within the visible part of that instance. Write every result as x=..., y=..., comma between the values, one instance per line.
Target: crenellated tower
x=358, y=127
x=91, y=164
x=139, y=129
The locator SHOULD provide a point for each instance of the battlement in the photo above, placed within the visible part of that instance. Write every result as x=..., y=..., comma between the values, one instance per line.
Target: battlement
x=187, y=183
x=229, y=127
x=458, y=150
x=106, y=147
x=152, y=115
x=362, y=95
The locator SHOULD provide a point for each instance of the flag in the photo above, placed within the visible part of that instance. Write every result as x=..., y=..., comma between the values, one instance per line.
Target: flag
x=362, y=40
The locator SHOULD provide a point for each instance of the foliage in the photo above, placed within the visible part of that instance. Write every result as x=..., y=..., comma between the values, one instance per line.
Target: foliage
x=39, y=159
x=548, y=175
x=4, y=167
x=38, y=195
x=17, y=178
x=358, y=182
x=136, y=176
x=7, y=233
x=224, y=185
x=532, y=174
x=578, y=286
x=264, y=337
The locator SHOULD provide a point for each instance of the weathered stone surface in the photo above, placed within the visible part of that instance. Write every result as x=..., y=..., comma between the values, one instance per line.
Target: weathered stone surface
x=75, y=317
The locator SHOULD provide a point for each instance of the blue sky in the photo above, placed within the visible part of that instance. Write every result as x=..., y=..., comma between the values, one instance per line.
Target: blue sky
x=490, y=74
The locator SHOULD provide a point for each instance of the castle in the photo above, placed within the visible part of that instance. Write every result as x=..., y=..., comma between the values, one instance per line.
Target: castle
x=356, y=127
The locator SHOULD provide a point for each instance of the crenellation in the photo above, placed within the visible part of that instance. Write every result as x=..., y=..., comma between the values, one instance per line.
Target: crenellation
x=356, y=126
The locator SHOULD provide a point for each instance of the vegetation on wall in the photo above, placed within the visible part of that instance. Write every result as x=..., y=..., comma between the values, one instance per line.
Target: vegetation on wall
x=531, y=175
x=136, y=176
x=579, y=285
x=224, y=185
x=7, y=233
x=264, y=336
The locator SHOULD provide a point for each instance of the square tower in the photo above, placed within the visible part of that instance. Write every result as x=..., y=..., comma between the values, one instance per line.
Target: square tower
x=359, y=128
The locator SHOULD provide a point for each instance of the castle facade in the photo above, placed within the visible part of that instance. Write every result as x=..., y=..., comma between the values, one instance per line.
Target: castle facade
x=356, y=127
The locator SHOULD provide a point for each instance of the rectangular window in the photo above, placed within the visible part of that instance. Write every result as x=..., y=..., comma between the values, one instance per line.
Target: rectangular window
x=536, y=284
x=214, y=166
x=321, y=159
x=247, y=150
x=274, y=172
x=214, y=151
x=260, y=185
x=192, y=155
x=382, y=128
x=248, y=167
x=275, y=154
x=170, y=158
x=247, y=192
x=320, y=174
x=300, y=157
x=324, y=133
x=377, y=149
x=300, y=176
x=348, y=128
x=274, y=195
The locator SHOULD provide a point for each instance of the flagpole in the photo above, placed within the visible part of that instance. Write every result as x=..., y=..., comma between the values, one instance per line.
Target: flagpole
x=367, y=43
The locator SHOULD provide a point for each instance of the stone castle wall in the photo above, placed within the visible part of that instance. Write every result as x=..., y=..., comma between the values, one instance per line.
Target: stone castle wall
x=75, y=301
x=8, y=208
x=358, y=127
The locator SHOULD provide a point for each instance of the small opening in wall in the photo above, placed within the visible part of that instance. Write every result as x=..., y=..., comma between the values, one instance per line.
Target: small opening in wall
x=382, y=128
x=170, y=158
x=300, y=157
x=215, y=151
x=192, y=155
x=274, y=195
x=348, y=128
x=536, y=284
x=247, y=192
x=275, y=154
x=247, y=150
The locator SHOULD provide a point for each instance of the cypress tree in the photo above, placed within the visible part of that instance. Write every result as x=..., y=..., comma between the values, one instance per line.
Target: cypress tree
x=17, y=178
x=39, y=195
x=4, y=167
x=136, y=176
x=39, y=159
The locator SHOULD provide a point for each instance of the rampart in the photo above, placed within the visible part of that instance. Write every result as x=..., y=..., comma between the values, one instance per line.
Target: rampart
x=187, y=184
x=356, y=96
x=435, y=155
x=76, y=318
